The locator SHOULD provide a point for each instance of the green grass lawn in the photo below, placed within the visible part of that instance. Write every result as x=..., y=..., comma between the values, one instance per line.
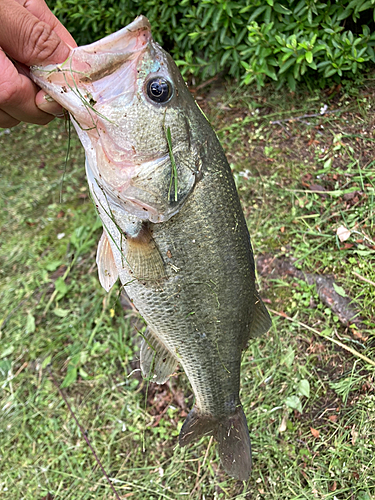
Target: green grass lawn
x=307, y=386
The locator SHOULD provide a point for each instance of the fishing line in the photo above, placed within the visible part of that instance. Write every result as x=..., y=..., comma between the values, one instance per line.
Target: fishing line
x=84, y=433
x=147, y=380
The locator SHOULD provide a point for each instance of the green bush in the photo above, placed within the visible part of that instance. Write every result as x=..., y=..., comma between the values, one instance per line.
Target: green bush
x=252, y=40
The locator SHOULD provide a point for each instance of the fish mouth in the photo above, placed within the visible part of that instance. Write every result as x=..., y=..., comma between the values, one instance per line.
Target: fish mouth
x=77, y=83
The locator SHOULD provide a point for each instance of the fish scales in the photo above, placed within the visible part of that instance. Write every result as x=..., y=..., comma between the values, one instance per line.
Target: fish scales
x=173, y=228
x=191, y=306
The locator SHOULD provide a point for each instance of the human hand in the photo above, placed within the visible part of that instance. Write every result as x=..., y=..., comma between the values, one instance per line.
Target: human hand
x=29, y=34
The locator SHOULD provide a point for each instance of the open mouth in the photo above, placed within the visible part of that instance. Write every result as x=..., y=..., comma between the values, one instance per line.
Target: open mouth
x=78, y=83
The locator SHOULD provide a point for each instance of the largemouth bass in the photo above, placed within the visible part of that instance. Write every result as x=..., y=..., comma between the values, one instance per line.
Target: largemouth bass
x=173, y=228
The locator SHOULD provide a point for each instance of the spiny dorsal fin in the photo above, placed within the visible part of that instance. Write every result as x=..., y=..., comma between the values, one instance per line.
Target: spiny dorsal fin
x=261, y=322
x=157, y=363
x=107, y=269
x=143, y=256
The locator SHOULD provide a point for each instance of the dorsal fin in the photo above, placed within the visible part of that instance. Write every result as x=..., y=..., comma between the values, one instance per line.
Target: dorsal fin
x=261, y=322
x=107, y=269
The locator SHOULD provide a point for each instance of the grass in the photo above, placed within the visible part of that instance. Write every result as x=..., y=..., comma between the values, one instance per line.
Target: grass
x=310, y=404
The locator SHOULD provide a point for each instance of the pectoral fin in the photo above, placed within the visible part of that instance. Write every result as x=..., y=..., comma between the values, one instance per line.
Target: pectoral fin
x=157, y=363
x=107, y=269
x=143, y=256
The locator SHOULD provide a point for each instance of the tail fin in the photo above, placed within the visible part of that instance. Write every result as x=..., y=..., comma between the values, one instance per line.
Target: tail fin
x=232, y=435
x=234, y=445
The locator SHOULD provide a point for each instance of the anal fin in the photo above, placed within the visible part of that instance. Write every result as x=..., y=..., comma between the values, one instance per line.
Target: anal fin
x=157, y=363
x=107, y=269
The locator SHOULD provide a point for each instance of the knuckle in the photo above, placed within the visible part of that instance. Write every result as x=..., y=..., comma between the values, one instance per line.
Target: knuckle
x=41, y=43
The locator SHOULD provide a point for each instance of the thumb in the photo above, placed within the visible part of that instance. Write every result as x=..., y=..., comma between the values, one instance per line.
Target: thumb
x=27, y=39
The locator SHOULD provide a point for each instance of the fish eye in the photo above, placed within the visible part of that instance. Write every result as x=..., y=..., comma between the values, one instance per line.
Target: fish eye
x=159, y=89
